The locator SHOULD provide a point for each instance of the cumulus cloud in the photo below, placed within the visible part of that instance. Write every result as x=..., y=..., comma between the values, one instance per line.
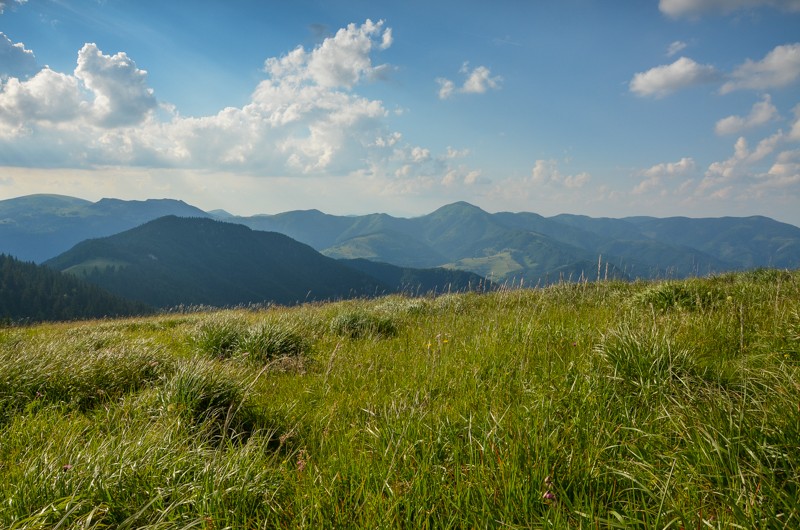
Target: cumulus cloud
x=461, y=176
x=15, y=59
x=304, y=118
x=546, y=172
x=121, y=94
x=340, y=61
x=666, y=79
x=671, y=169
x=693, y=8
x=48, y=97
x=784, y=172
x=105, y=91
x=777, y=69
x=762, y=112
x=741, y=164
x=479, y=80
x=653, y=177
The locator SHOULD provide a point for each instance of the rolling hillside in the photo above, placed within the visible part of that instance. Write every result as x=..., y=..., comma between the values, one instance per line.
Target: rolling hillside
x=197, y=261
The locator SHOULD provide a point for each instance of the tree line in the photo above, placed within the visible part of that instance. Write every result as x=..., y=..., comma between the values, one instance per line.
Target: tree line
x=35, y=293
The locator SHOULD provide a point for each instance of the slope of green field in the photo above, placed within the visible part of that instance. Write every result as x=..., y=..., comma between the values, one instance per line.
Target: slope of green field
x=673, y=404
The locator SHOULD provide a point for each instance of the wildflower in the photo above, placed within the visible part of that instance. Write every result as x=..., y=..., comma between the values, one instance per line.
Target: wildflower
x=548, y=495
x=302, y=460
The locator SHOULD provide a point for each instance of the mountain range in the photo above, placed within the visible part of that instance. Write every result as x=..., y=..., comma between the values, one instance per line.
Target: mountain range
x=504, y=247
x=526, y=246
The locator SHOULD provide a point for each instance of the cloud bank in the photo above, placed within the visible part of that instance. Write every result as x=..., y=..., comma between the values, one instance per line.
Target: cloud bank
x=303, y=118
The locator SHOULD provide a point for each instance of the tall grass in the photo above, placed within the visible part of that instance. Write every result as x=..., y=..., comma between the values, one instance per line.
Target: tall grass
x=610, y=404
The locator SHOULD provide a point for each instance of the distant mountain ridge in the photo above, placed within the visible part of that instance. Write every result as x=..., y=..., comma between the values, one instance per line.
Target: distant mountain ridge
x=39, y=227
x=527, y=246
x=502, y=246
x=197, y=261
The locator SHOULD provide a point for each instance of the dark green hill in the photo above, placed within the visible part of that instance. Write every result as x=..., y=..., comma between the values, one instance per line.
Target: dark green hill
x=172, y=261
x=30, y=292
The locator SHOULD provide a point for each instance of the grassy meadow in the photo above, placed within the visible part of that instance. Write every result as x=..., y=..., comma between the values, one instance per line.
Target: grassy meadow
x=670, y=404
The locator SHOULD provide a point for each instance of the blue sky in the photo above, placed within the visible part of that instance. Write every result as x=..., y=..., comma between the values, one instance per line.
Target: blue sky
x=670, y=107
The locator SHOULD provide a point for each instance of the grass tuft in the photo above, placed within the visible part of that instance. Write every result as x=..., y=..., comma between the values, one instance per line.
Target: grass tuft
x=357, y=324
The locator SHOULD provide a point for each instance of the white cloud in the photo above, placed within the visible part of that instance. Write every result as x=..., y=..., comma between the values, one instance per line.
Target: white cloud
x=478, y=81
x=666, y=79
x=784, y=172
x=105, y=91
x=340, y=61
x=742, y=165
x=675, y=47
x=48, y=97
x=446, y=87
x=459, y=153
x=777, y=69
x=546, y=172
x=121, y=94
x=794, y=133
x=654, y=176
x=461, y=176
x=303, y=119
x=762, y=112
x=15, y=59
x=692, y=8
x=671, y=169
x=420, y=154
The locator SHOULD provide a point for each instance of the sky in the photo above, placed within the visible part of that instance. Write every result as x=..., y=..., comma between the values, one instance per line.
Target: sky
x=608, y=109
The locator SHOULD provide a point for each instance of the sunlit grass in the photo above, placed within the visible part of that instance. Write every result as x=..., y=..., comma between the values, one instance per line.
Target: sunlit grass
x=671, y=404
